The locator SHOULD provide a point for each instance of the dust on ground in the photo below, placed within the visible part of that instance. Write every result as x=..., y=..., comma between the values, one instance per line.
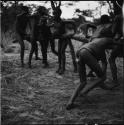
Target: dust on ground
x=39, y=95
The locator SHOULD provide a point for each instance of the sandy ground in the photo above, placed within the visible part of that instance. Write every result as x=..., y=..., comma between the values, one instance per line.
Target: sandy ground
x=39, y=96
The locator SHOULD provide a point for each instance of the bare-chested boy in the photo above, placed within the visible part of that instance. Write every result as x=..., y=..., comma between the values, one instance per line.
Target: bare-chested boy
x=118, y=50
x=90, y=54
x=22, y=20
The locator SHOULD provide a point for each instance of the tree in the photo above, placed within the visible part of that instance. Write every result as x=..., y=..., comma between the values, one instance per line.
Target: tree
x=115, y=7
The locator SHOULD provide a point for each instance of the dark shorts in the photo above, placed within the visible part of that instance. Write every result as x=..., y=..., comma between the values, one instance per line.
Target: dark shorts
x=86, y=57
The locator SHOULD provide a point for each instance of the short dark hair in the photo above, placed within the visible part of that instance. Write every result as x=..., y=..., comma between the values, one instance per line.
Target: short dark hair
x=42, y=10
x=105, y=19
x=25, y=8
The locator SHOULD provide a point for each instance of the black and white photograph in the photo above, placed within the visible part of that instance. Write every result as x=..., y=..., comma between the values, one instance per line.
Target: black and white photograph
x=62, y=62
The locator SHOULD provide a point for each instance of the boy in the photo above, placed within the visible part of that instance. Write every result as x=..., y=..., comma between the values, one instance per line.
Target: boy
x=117, y=51
x=22, y=20
x=90, y=54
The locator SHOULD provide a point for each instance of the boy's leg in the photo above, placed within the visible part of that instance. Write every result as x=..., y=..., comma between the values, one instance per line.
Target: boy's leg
x=73, y=55
x=21, y=42
x=100, y=72
x=36, y=53
x=82, y=74
x=44, y=45
x=33, y=47
x=28, y=38
x=114, y=54
x=86, y=58
x=59, y=53
x=63, y=56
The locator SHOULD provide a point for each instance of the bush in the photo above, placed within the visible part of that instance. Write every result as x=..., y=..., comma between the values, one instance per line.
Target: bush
x=7, y=38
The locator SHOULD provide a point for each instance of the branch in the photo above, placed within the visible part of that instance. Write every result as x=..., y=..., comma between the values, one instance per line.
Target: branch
x=59, y=4
x=52, y=5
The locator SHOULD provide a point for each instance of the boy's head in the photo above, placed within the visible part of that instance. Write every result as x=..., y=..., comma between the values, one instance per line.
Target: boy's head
x=25, y=9
x=42, y=11
x=105, y=19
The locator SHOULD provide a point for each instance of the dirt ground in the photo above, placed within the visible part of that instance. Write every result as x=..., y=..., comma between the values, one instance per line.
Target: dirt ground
x=39, y=95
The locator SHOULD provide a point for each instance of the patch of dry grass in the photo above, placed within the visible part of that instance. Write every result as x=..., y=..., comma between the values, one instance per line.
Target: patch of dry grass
x=7, y=40
x=39, y=96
